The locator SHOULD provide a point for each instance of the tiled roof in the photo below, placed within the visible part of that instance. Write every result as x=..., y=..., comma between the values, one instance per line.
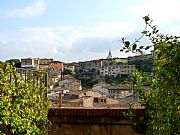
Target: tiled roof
x=78, y=111
x=119, y=87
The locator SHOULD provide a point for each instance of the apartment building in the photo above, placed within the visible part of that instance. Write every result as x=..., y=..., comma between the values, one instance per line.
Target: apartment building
x=44, y=63
x=70, y=66
x=30, y=63
x=35, y=63
x=114, y=70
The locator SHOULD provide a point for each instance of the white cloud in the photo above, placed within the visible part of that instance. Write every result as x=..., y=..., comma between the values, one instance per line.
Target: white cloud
x=72, y=43
x=64, y=43
x=34, y=9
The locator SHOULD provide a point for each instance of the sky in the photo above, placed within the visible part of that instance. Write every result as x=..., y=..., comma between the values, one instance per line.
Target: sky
x=78, y=30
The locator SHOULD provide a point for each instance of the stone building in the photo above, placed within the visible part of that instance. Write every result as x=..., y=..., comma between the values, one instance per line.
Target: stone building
x=114, y=70
x=119, y=91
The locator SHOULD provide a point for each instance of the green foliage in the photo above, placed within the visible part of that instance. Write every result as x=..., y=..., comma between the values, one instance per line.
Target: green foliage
x=78, y=72
x=86, y=73
x=162, y=101
x=116, y=62
x=67, y=71
x=118, y=79
x=144, y=65
x=88, y=83
x=139, y=123
x=109, y=79
x=93, y=70
x=15, y=62
x=23, y=104
x=87, y=77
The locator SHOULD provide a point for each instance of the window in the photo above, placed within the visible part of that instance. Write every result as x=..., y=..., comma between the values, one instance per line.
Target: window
x=95, y=99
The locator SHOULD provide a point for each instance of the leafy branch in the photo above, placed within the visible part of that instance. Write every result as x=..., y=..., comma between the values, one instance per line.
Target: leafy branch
x=162, y=99
x=23, y=104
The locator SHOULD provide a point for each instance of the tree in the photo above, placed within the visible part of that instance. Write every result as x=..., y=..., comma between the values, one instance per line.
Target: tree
x=23, y=102
x=94, y=72
x=162, y=101
x=67, y=71
x=144, y=65
x=88, y=83
x=16, y=62
x=109, y=79
x=116, y=62
x=120, y=78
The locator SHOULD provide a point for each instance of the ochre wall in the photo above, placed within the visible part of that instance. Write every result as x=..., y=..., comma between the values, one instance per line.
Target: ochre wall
x=81, y=121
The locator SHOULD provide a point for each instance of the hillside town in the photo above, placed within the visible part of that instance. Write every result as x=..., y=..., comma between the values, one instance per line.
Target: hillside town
x=84, y=67
x=94, y=83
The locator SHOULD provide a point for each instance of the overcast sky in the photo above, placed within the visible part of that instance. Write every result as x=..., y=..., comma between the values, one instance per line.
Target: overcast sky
x=77, y=30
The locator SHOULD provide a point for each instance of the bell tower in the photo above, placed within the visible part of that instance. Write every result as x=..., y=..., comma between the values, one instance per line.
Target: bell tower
x=109, y=57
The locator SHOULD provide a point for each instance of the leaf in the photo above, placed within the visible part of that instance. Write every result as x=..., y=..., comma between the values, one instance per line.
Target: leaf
x=144, y=32
x=138, y=50
x=123, y=39
x=21, y=101
x=134, y=47
x=121, y=50
x=127, y=43
x=157, y=31
x=147, y=47
x=146, y=18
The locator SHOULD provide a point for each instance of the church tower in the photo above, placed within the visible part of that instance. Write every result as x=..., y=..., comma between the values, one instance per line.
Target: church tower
x=109, y=57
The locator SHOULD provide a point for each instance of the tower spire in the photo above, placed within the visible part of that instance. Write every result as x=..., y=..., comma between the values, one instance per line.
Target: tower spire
x=109, y=55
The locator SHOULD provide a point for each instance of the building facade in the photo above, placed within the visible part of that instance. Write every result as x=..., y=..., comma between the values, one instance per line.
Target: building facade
x=44, y=63
x=114, y=70
x=119, y=91
x=30, y=63
x=57, y=65
x=70, y=66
